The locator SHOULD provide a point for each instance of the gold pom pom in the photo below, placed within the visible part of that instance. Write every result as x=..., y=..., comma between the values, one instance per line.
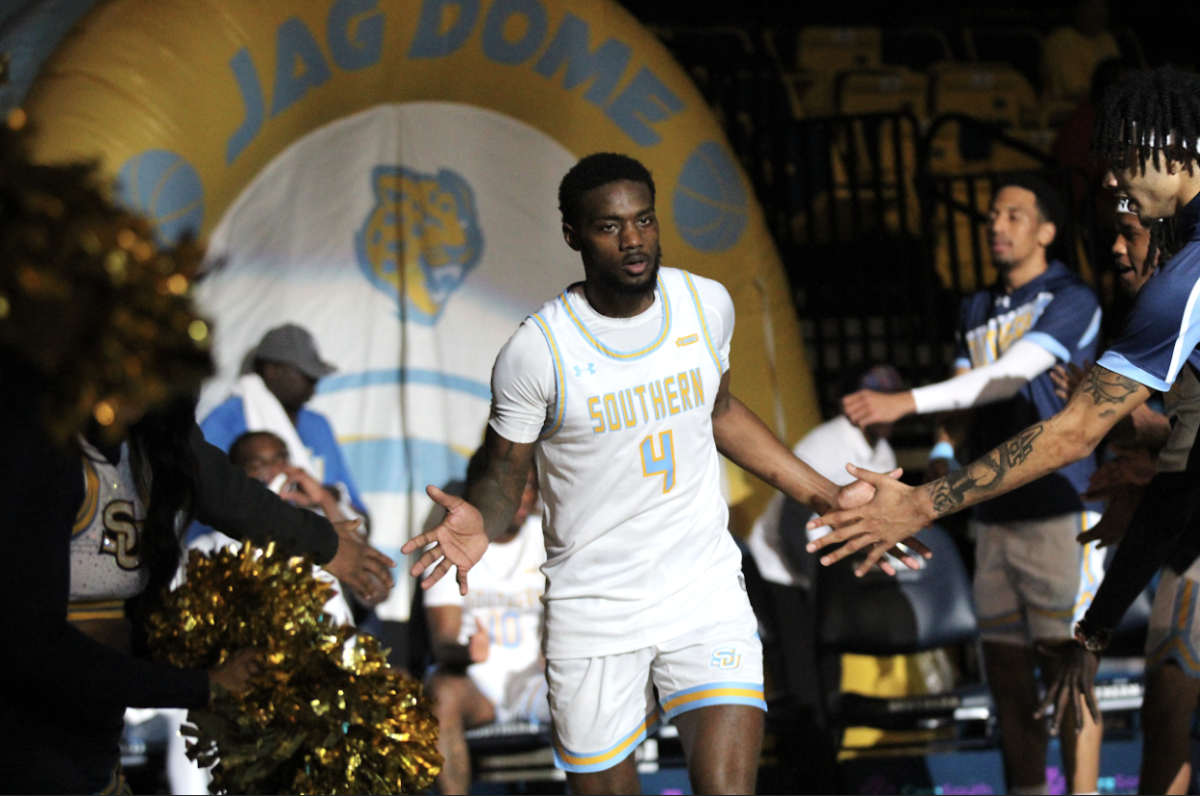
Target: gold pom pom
x=324, y=715
x=88, y=296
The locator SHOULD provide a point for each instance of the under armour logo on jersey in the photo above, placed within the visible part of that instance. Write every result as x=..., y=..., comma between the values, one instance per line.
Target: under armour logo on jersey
x=726, y=658
x=591, y=369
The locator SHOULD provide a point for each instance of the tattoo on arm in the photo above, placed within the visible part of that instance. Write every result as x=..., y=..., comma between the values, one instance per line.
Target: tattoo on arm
x=1017, y=449
x=1106, y=387
x=949, y=494
x=498, y=493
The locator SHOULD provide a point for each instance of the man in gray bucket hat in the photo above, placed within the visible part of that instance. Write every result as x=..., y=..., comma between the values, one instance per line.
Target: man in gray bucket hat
x=286, y=369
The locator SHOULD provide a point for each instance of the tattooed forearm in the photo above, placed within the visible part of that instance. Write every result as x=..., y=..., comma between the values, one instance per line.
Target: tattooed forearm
x=1106, y=387
x=497, y=491
x=951, y=493
x=1017, y=449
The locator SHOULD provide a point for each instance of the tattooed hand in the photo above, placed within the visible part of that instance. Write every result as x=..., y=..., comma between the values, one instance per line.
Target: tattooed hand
x=893, y=516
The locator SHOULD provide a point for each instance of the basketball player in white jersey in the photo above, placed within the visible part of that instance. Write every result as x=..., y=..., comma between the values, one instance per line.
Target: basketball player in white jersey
x=620, y=389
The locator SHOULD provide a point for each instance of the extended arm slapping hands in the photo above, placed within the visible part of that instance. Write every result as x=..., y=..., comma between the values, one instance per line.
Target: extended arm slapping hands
x=898, y=511
x=469, y=525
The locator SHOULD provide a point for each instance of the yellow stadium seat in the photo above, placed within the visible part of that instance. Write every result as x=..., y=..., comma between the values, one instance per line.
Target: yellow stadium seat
x=882, y=90
x=829, y=49
x=994, y=93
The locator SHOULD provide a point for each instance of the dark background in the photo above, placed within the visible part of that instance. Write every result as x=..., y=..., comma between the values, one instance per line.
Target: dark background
x=1169, y=29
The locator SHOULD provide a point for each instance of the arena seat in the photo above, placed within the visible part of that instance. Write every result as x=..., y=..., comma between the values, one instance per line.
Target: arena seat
x=916, y=611
x=874, y=615
x=882, y=90
x=917, y=48
x=823, y=52
x=1018, y=46
x=994, y=93
x=709, y=44
x=831, y=49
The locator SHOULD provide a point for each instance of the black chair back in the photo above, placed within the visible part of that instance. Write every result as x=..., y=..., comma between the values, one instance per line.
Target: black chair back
x=914, y=611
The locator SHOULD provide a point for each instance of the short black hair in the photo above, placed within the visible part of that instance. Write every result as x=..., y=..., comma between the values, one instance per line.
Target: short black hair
x=594, y=171
x=1148, y=111
x=237, y=451
x=1046, y=197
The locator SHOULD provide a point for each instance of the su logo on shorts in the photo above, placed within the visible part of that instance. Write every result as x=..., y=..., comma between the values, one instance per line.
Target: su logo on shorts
x=726, y=658
x=420, y=239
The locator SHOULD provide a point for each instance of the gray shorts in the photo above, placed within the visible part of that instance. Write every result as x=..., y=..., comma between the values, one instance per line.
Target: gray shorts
x=1033, y=581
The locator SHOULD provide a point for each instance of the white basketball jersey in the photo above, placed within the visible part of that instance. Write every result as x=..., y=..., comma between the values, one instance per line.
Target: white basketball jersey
x=505, y=597
x=634, y=523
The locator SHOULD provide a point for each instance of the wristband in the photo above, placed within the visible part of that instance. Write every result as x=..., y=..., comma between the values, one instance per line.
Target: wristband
x=1094, y=639
x=943, y=450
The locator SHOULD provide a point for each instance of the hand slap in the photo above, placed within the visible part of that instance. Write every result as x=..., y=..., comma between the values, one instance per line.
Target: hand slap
x=892, y=516
x=459, y=541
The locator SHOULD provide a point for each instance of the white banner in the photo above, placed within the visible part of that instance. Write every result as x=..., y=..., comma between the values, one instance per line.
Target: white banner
x=411, y=240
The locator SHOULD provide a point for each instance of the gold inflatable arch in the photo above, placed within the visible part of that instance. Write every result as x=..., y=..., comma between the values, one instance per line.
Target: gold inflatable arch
x=187, y=102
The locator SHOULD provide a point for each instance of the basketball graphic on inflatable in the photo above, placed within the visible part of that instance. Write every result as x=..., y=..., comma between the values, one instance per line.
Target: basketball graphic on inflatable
x=710, y=203
x=164, y=187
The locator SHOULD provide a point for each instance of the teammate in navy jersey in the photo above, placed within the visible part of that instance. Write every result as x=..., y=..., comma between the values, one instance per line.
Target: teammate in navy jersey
x=1148, y=131
x=1031, y=578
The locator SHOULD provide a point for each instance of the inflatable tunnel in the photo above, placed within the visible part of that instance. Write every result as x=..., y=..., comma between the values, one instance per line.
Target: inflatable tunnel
x=384, y=173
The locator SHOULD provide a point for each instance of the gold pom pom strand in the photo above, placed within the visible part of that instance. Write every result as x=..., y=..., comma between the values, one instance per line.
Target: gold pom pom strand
x=325, y=715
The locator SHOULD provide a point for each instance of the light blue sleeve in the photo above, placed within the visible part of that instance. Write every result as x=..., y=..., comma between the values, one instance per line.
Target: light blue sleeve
x=316, y=433
x=225, y=424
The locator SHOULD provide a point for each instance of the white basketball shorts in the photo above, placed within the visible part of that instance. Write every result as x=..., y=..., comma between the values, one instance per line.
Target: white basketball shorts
x=602, y=708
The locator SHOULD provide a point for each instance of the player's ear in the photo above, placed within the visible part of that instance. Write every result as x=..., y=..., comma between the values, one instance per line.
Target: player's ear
x=571, y=236
x=1046, y=233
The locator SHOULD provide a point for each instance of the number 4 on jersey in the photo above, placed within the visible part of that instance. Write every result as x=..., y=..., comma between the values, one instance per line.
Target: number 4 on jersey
x=664, y=463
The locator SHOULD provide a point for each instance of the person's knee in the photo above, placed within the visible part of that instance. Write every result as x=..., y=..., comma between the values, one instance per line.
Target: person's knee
x=449, y=693
x=621, y=778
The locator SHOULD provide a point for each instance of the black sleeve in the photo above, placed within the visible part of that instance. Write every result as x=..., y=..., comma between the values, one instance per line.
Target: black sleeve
x=43, y=657
x=235, y=504
x=1166, y=512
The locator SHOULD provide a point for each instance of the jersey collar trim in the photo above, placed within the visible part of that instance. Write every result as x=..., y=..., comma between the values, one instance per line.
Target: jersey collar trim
x=612, y=352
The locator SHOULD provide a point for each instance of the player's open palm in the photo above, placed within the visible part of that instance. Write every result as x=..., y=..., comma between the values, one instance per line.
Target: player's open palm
x=459, y=541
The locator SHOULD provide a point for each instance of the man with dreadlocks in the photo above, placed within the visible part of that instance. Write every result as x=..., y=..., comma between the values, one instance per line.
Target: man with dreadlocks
x=1148, y=132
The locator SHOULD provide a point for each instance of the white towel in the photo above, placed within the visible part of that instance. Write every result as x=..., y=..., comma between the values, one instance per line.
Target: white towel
x=265, y=413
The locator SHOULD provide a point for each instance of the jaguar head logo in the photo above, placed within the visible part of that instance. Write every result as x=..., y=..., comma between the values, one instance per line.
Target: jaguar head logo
x=420, y=239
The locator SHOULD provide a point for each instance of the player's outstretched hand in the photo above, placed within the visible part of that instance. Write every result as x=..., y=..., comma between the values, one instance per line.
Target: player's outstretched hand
x=893, y=516
x=458, y=542
x=868, y=407
x=1074, y=684
x=858, y=493
x=362, y=568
